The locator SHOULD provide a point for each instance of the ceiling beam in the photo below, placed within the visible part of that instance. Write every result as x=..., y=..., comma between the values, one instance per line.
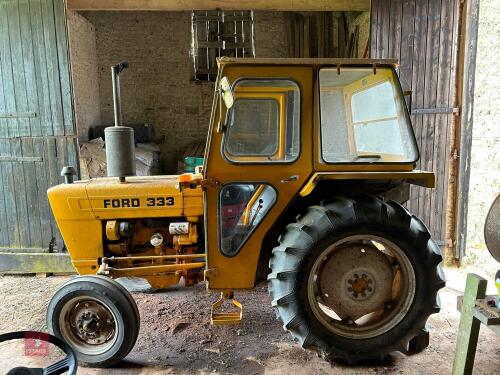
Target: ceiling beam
x=184, y=5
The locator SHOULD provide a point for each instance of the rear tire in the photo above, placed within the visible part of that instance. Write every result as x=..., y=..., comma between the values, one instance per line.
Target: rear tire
x=311, y=241
x=97, y=317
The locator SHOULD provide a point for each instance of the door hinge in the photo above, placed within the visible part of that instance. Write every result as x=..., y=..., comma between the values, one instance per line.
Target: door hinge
x=209, y=182
x=208, y=273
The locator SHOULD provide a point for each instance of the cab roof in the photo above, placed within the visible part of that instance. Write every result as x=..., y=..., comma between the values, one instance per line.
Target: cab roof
x=307, y=61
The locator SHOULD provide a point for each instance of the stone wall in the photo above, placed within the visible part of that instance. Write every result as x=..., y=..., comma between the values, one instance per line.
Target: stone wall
x=82, y=39
x=158, y=88
x=485, y=161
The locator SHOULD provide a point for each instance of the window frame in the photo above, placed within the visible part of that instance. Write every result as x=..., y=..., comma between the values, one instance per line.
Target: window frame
x=282, y=109
x=399, y=92
x=219, y=206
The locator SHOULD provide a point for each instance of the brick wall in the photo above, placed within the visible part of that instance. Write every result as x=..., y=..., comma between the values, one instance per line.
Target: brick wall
x=84, y=73
x=158, y=87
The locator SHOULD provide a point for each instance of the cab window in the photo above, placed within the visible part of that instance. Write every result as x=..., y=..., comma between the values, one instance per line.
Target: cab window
x=241, y=208
x=263, y=124
x=364, y=117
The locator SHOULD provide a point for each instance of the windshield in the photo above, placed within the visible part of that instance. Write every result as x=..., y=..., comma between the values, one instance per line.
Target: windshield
x=364, y=117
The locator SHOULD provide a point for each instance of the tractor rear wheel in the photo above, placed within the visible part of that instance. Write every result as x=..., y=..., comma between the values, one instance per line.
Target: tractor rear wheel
x=97, y=317
x=356, y=279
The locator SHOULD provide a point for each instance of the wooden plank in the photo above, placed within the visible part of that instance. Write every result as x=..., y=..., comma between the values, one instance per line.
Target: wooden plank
x=407, y=44
x=9, y=195
x=29, y=67
x=466, y=123
x=419, y=53
x=443, y=99
x=468, y=328
x=307, y=36
x=3, y=109
x=4, y=228
x=39, y=147
x=395, y=24
x=64, y=66
x=54, y=82
x=32, y=195
x=35, y=263
x=18, y=75
x=384, y=19
x=40, y=66
x=20, y=192
x=8, y=79
x=429, y=122
x=176, y=5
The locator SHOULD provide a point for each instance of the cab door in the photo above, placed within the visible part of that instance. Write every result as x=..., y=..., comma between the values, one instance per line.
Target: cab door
x=259, y=155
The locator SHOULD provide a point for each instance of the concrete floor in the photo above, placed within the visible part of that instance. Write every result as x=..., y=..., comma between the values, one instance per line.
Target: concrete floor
x=176, y=337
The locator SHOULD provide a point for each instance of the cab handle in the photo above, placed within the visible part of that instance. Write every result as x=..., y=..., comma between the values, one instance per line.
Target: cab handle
x=290, y=179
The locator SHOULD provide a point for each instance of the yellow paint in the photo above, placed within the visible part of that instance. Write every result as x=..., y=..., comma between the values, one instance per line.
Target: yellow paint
x=82, y=209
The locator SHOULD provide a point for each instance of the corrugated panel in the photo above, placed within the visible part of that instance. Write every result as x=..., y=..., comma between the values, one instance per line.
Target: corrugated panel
x=421, y=34
x=36, y=120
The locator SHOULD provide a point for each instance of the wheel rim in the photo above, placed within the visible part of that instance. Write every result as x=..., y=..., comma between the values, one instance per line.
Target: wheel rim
x=88, y=325
x=361, y=286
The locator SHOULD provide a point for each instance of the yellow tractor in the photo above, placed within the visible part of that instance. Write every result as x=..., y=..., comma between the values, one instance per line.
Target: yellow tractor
x=307, y=164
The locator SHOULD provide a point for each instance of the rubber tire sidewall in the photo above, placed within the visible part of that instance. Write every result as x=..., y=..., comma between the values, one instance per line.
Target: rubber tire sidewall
x=115, y=298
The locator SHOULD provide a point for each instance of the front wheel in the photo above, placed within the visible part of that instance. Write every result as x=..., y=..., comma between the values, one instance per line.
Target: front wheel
x=356, y=279
x=97, y=317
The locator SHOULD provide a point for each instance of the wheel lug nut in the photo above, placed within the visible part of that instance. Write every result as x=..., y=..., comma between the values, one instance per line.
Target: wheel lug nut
x=349, y=289
x=349, y=281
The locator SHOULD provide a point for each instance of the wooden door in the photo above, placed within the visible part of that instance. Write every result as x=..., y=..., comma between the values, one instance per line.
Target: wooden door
x=37, y=133
x=422, y=35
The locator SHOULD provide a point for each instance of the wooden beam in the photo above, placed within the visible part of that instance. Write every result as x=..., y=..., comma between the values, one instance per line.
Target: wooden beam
x=468, y=329
x=188, y=5
x=11, y=263
x=469, y=70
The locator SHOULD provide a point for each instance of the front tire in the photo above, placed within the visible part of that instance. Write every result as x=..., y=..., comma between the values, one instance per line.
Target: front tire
x=356, y=279
x=97, y=317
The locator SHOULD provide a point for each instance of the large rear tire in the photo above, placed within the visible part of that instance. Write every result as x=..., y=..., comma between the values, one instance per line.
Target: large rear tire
x=97, y=317
x=356, y=279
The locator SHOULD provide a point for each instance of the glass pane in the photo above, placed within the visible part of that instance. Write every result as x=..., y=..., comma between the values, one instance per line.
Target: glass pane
x=253, y=128
x=379, y=137
x=363, y=108
x=363, y=117
x=241, y=209
x=264, y=123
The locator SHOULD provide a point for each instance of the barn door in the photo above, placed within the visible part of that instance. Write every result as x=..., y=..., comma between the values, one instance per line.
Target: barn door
x=422, y=35
x=37, y=134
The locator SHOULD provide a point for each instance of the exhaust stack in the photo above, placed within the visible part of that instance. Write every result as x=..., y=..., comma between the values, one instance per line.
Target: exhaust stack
x=120, y=146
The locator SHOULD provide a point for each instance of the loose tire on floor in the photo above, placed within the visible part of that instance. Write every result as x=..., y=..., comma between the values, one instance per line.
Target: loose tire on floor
x=97, y=317
x=315, y=248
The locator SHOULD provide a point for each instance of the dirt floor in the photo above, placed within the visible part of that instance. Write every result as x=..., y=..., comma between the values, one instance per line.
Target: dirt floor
x=177, y=338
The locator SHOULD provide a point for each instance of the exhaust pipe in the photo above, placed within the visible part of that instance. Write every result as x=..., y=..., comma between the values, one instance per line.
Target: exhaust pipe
x=120, y=146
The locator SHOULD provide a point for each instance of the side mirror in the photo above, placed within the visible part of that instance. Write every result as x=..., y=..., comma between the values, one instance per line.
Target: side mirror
x=226, y=92
x=226, y=95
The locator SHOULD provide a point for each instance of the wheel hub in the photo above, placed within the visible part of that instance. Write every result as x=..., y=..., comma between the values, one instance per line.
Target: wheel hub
x=361, y=286
x=355, y=280
x=92, y=322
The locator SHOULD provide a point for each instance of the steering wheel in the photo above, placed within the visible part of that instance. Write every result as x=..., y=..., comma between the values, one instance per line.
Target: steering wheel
x=68, y=363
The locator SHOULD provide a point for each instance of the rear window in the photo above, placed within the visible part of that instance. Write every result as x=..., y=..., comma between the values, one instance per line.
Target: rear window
x=364, y=117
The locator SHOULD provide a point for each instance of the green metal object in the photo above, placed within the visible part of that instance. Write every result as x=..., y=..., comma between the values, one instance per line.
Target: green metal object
x=35, y=263
x=468, y=329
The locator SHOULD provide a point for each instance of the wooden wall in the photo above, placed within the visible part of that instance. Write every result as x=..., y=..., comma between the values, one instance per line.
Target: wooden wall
x=422, y=35
x=37, y=135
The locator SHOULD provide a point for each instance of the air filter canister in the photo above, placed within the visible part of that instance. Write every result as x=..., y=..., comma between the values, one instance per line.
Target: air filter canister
x=120, y=151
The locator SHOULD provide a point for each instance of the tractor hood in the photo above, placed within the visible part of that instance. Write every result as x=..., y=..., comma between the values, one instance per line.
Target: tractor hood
x=139, y=197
